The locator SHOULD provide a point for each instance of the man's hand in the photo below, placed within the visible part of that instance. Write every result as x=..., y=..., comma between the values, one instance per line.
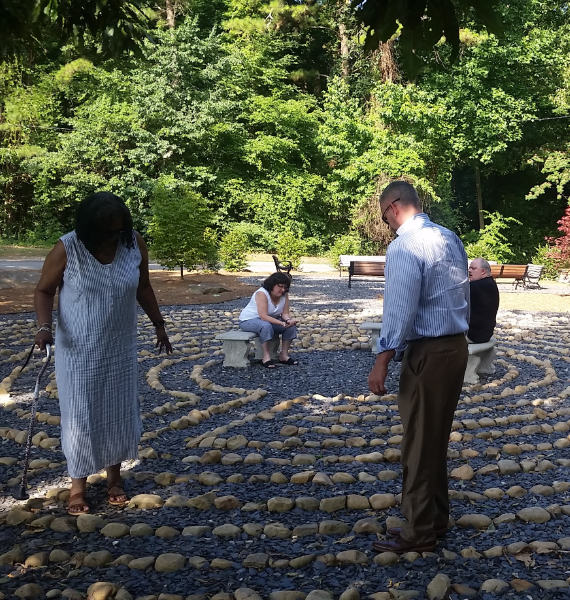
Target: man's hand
x=162, y=341
x=377, y=377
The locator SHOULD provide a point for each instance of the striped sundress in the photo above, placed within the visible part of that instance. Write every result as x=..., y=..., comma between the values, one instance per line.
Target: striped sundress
x=96, y=358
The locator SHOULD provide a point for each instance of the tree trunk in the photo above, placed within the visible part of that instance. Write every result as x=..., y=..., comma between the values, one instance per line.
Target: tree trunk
x=181, y=271
x=387, y=64
x=343, y=50
x=170, y=14
x=479, y=198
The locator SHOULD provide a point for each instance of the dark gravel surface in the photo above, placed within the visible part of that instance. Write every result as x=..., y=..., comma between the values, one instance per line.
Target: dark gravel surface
x=328, y=375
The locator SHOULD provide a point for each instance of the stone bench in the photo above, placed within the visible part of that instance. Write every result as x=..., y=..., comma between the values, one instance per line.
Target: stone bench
x=236, y=347
x=480, y=360
x=374, y=329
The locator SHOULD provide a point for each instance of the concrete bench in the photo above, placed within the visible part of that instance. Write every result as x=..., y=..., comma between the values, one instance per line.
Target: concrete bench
x=236, y=347
x=374, y=329
x=480, y=361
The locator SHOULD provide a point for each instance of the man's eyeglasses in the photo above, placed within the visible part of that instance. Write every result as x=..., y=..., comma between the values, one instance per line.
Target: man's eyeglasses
x=384, y=219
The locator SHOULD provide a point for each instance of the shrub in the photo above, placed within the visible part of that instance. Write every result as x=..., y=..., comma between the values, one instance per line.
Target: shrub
x=233, y=250
x=258, y=238
x=290, y=247
x=179, y=229
x=560, y=250
x=350, y=243
x=490, y=243
x=544, y=257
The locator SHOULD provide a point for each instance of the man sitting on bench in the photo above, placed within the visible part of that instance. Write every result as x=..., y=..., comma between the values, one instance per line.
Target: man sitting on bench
x=484, y=302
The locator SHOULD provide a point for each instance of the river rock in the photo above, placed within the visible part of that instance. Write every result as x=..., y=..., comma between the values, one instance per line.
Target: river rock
x=169, y=562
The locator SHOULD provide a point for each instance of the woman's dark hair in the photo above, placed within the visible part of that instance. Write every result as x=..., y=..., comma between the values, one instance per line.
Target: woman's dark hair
x=276, y=279
x=95, y=212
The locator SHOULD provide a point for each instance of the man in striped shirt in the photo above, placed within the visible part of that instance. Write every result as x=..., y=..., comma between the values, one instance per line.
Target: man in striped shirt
x=426, y=313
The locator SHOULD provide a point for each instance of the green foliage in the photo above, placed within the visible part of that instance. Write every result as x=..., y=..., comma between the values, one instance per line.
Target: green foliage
x=552, y=266
x=490, y=243
x=234, y=249
x=290, y=247
x=179, y=229
x=350, y=243
x=259, y=239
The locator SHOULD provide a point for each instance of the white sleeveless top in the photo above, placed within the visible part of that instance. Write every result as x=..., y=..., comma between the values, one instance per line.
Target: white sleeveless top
x=273, y=310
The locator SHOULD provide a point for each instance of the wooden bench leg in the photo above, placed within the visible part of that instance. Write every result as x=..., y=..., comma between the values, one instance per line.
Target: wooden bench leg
x=486, y=366
x=235, y=353
x=273, y=348
x=471, y=370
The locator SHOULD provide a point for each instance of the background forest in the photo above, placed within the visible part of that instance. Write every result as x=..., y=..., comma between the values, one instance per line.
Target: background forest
x=246, y=125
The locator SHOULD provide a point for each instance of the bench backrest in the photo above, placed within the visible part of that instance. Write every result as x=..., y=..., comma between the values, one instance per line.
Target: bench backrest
x=513, y=271
x=279, y=266
x=345, y=259
x=373, y=268
x=534, y=271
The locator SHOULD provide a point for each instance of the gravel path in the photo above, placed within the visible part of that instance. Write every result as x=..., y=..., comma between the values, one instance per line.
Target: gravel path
x=279, y=481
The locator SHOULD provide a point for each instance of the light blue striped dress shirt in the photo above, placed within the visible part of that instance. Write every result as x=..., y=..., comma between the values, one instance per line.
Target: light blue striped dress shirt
x=427, y=284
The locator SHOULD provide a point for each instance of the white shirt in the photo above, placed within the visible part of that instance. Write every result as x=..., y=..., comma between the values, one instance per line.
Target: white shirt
x=273, y=310
x=427, y=284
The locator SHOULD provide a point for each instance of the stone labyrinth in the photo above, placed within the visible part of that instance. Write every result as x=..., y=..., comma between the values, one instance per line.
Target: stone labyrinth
x=274, y=484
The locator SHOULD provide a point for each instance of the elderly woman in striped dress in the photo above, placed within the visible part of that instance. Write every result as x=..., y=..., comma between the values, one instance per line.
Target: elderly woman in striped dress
x=101, y=271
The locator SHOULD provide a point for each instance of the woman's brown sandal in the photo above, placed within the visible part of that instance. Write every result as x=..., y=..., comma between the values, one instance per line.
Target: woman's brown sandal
x=77, y=500
x=114, y=493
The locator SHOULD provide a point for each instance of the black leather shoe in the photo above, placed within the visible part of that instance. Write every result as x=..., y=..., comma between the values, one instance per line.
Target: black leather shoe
x=400, y=546
x=396, y=531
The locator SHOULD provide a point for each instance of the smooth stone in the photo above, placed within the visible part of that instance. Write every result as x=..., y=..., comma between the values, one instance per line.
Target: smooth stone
x=333, y=528
x=508, y=467
x=166, y=533
x=385, y=559
x=494, y=586
x=463, y=590
x=438, y=587
x=552, y=584
x=40, y=559
x=352, y=557
x=494, y=552
x=101, y=590
x=140, y=564
x=382, y=501
x=16, y=516
x=90, y=523
x=141, y=529
x=202, y=502
x=534, y=514
x=257, y=560
x=177, y=501
x=115, y=530
x=227, y=503
x=246, y=594
x=196, y=530
x=332, y=504
x=368, y=525
x=227, y=530
x=475, y=521
x=146, y=501
x=277, y=530
x=169, y=562
x=350, y=594
x=287, y=595
x=58, y=556
x=307, y=503
x=97, y=559
x=301, y=561
x=280, y=504
x=465, y=473
x=29, y=590
x=253, y=529
x=319, y=595
x=322, y=479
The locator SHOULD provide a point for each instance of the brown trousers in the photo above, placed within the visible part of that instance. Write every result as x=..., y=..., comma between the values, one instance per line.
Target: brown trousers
x=430, y=386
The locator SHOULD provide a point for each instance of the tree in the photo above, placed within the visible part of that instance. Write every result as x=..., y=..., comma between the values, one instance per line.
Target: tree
x=180, y=228
x=117, y=25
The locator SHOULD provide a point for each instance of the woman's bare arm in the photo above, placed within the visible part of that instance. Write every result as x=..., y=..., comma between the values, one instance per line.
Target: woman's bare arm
x=51, y=278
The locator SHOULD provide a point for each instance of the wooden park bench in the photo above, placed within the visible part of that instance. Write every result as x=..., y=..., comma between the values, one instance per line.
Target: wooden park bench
x=526, y=275
x=236, y=347
x=345, y=260
x=480, y=361
x=283, y=267
x=365, y=269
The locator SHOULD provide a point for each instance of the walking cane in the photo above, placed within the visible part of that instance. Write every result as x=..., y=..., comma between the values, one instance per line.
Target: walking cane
x=22, y=493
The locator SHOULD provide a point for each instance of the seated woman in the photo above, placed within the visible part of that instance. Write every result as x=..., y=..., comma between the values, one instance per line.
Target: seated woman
x=267, y=314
